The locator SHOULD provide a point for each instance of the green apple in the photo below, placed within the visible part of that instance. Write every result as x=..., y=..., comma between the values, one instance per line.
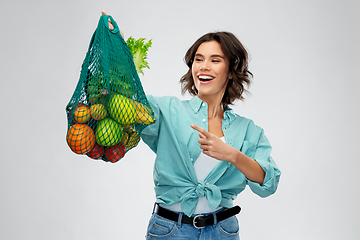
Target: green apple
x=108, y=132
x=122, y=109
x=126, y=88
x=122, y=83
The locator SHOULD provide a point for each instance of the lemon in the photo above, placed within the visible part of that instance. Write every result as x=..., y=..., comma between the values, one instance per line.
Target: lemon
x=122, y=109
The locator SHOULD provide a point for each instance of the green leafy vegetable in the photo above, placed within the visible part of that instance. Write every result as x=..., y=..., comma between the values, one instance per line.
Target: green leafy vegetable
x=138, y=49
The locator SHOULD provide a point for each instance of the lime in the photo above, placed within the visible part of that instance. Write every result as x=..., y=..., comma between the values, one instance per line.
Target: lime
x=108, y=132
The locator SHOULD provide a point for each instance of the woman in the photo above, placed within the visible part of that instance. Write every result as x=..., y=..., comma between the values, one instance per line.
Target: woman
x=205, y=153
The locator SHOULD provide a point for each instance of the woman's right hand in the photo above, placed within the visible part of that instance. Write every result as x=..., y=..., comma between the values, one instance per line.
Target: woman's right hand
x=111, y=26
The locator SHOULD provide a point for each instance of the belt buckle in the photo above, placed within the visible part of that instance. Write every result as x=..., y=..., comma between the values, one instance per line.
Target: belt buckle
x=194, y=221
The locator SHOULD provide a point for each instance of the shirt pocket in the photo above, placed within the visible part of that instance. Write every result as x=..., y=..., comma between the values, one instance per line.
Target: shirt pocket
x=249, y=149
x=160, y=227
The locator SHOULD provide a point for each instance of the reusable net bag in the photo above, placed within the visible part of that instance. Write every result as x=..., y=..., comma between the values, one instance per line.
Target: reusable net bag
x=108, y=109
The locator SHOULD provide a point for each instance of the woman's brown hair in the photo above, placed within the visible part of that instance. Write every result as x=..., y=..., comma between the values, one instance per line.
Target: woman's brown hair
x=238, y=66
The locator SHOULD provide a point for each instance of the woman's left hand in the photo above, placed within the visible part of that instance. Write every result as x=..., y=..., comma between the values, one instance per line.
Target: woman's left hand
x=213, y=146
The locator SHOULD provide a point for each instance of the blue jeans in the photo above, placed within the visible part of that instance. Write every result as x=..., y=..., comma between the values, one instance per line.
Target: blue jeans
x=162, y=228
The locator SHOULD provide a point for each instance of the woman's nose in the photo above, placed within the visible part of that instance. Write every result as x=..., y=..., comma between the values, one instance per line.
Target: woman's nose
x=204, y=66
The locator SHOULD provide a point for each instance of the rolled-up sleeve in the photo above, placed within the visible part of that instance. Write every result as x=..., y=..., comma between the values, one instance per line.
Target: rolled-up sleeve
x=272, y=172
x=150, y=134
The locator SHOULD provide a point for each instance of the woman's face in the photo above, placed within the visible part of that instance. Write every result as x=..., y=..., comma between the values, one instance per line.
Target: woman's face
x=210, y=71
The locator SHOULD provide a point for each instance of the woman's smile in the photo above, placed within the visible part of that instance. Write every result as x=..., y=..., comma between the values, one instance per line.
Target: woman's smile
x=205, y=78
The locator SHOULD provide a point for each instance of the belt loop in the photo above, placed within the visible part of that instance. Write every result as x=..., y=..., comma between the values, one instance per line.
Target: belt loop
x=154, y=208
x=215, y=219
x=180, y=218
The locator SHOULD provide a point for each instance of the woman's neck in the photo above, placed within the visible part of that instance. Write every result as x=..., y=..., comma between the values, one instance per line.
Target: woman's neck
x=215, y=110
x=215, y=107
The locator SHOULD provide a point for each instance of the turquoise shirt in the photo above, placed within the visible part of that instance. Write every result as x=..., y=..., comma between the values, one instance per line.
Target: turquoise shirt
x=176, y=146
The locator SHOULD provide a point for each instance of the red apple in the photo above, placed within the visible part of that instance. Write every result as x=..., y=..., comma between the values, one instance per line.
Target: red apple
x=96, y=152
x=81, y=104
x=115, y=153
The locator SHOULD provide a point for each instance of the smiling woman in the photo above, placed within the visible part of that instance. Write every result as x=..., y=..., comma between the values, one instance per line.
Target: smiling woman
x=205, y=153
x=198, y=177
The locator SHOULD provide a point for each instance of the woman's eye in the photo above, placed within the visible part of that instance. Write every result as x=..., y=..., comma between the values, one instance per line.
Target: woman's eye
x=215, y=60
x=198, y=59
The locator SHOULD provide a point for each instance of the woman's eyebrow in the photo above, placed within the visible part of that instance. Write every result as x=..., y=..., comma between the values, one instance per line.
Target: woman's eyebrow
x=218, y=55
x=212, y=56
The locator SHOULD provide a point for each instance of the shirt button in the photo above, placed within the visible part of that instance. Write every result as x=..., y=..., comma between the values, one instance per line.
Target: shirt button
x=203, y=104
x=204, y=120
x=192, y=159
x=230, y=142
x=196, y=109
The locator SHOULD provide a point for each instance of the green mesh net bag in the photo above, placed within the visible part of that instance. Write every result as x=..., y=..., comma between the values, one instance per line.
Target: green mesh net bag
x=108, y=109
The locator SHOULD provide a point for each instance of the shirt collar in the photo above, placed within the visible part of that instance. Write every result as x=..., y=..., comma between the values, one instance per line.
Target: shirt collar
x=196, y=103
x=229, y=113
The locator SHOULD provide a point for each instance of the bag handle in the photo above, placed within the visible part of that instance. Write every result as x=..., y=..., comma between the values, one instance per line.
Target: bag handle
x=106, y=21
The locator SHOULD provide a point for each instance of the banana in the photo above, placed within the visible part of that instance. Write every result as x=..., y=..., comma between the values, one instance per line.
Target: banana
x=143, y=113
x=141, y=107
x=144, y=118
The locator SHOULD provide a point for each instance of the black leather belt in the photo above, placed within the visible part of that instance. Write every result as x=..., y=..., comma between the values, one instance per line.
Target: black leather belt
x=199, y=221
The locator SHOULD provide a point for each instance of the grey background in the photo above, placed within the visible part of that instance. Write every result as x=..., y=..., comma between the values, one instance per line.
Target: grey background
x=304, y=56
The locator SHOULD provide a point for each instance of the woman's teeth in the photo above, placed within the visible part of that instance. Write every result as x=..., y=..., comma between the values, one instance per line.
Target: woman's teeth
x=205, y=78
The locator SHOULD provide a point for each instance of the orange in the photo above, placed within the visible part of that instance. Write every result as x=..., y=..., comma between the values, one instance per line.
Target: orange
x=82, y=114
x=98, y=111
x=80, y=138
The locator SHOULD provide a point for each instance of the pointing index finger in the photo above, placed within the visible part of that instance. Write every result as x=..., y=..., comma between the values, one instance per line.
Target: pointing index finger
x=200, y=130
